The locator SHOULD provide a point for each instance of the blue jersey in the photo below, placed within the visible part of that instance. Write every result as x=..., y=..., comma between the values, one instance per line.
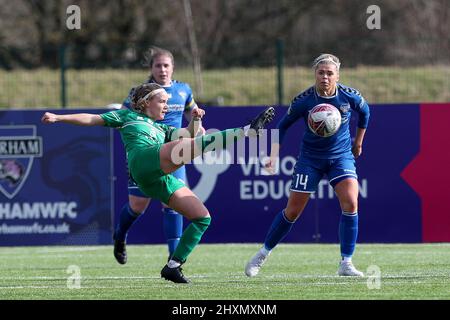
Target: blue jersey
x=180, y=100
x=345, y=100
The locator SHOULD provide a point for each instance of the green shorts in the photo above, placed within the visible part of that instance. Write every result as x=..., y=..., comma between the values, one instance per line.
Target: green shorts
x=152, y=181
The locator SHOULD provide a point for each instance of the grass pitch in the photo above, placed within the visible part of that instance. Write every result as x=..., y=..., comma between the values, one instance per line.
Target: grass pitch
x=293, y=272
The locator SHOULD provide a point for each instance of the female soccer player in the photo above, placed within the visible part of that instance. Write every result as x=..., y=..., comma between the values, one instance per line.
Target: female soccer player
x=333, y=156
x=181, y=101
x=156, y=150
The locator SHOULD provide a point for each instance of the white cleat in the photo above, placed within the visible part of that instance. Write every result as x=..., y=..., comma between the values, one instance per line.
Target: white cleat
x=348, y=269
x=254, y=265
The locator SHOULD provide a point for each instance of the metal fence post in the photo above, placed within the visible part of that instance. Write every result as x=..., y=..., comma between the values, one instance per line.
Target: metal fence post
x=280, y=63
x=62, y=65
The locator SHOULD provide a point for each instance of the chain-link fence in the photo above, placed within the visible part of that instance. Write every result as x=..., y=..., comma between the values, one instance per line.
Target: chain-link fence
x=72, y=80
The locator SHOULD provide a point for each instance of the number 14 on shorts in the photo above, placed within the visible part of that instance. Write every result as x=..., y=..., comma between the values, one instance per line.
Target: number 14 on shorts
x=300, y=180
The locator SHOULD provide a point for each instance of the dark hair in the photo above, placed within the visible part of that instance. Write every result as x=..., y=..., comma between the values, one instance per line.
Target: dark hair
x=140, y=92
x=154, y=52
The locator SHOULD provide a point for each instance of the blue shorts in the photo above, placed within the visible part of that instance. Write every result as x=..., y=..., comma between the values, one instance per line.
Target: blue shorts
x=309, y=171
x=133, y=189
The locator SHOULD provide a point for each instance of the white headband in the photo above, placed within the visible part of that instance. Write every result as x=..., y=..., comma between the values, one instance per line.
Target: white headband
x=327, y=59
x=153, y=93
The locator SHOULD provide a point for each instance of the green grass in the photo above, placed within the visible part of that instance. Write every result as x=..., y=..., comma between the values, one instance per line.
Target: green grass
x=293, y=272
x=237, y=86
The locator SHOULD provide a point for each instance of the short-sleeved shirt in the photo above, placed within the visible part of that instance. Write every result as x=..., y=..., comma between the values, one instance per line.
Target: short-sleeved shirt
x=345, y=100
x=143, y=139
x=137, y=130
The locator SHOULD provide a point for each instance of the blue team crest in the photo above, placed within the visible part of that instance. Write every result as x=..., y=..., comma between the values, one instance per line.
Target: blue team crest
x=344, y=108
x=19, y=145
x=182, y=94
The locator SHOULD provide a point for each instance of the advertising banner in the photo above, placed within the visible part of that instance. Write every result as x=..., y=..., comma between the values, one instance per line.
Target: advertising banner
x=243, y=199
x=55, y=181
x=65, y=185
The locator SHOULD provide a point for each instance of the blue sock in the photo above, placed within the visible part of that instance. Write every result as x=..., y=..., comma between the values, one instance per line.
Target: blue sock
x=126, y=219
x=278, y=230
x=173, y=228
x=348, y=232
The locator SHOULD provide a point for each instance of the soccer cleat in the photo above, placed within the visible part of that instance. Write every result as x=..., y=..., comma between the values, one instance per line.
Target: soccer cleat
x=174, y=274
x=120, y=251
x=254, y=265
x=348, y=269
x=261, y=120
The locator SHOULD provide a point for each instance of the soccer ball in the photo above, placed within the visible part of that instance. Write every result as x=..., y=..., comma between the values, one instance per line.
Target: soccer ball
x=324, y=120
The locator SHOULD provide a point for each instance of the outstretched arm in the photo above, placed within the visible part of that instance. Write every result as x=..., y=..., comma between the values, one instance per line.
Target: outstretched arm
x=80, y=119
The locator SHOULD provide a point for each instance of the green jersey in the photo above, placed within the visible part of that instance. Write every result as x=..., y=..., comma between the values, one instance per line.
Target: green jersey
x=137, y=130
x=143, y=139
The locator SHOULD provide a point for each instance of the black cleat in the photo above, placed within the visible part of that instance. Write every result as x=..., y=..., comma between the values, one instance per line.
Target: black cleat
x=262, y=119
x=120, y=251
x=174, y=275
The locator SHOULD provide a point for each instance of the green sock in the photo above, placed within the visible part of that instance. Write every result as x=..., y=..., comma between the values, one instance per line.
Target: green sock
x=190, y=238
x=219, y=140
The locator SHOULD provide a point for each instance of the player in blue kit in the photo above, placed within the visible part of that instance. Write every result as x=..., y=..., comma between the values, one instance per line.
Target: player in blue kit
x=181, y=102
x=332, y=156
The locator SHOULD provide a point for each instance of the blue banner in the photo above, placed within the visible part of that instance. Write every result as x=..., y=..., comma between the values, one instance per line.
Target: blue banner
x=55, y=181
x=62, y=184
x=243, y=200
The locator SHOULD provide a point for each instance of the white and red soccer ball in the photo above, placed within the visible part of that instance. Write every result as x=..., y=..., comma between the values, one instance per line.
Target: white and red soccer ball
x=324, y=120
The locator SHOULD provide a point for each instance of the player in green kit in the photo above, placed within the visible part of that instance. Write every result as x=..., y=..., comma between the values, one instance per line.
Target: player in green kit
x=155, y=150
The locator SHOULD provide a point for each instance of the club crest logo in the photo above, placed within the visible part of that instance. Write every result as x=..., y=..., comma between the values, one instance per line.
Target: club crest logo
x=182, y=94
x=344, y=108
x=19, y=145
